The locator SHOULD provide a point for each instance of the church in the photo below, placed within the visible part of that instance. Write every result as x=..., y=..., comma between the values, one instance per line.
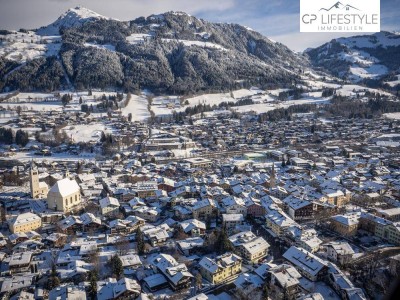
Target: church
x=64, y=195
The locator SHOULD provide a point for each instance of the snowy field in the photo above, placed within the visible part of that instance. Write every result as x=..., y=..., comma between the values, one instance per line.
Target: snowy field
x=210, y=99
x=37, y=106
x=98, y=46
x=197, y=43
x=137, y=38
x=348, y=90
x=372, y=71
x=315, y=84
x=394, y=116
x=20, y=46
x=245, y=93
x=394, y=83
x=138, y=108
x=28, y=156
x=265, y=107
x=86, y=133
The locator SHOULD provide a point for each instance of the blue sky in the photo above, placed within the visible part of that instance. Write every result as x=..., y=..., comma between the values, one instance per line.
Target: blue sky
x=277, y=19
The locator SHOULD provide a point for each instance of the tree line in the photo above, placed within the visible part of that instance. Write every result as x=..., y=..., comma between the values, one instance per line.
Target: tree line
x=7, y=137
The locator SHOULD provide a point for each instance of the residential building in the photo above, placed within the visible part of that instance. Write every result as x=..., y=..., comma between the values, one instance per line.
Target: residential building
x=230, y=221
x=346, y=225
x=392, y=214
x=250, y=247
x=221, y=268
x=309, y=265
x=25, y=222
x=340, y=252
x=109, y=206
x=176, y=273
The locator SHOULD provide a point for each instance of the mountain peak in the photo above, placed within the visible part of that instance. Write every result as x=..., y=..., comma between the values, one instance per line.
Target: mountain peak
x=73, y=17
x=82, y=12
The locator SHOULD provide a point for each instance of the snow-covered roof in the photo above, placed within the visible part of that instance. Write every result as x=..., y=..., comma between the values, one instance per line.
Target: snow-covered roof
x=109, y=201
x=65, y=187
x=304, y=260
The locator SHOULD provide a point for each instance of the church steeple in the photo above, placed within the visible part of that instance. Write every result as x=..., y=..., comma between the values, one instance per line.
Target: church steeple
x=66, y=173
x=272, y=179
x=34, y=180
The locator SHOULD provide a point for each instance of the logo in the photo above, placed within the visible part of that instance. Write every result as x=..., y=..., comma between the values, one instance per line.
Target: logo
x=331, y=16
x=340, y=6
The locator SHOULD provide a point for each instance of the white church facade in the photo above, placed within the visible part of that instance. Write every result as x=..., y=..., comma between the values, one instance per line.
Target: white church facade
x=64, y=195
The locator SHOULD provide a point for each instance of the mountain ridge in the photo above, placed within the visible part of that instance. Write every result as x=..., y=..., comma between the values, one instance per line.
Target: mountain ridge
x=171, y=52
x=360, y=58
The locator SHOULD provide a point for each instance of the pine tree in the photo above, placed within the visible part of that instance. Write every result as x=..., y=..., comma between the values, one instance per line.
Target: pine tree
x=223, y=244
x=264, y=295
x=93, y=278
x=6, y=136
x=21, y=138
x=103, y=137
x=116, y=266
x=54, y=281
x=140, y=246
x=65, y=99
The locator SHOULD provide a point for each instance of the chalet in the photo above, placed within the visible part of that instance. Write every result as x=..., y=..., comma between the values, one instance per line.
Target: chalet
x=309, y=265
x=176, y=273
x=248, y=246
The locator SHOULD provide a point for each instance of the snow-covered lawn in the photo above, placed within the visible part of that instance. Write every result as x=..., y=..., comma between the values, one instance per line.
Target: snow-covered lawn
x=21, y=97
x=210, y=99
x=257, y=108
x=37, y=106
x=245, y=92
x=265, y=107
x=138, y=108
x=162, y=110
x=394, y=116
x=86, y=133
x=28, y=156
x=352, y=90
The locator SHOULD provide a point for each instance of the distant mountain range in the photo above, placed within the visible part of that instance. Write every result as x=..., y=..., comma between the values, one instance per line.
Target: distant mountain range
x=171, y=52
x=369, y=58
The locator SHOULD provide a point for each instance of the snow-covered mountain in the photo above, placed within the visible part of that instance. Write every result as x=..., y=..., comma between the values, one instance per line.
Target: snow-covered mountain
x=73, y=17
x=171, y=52
x=358, y=58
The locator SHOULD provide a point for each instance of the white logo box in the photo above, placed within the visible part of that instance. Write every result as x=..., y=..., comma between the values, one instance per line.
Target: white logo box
x=340, y=16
